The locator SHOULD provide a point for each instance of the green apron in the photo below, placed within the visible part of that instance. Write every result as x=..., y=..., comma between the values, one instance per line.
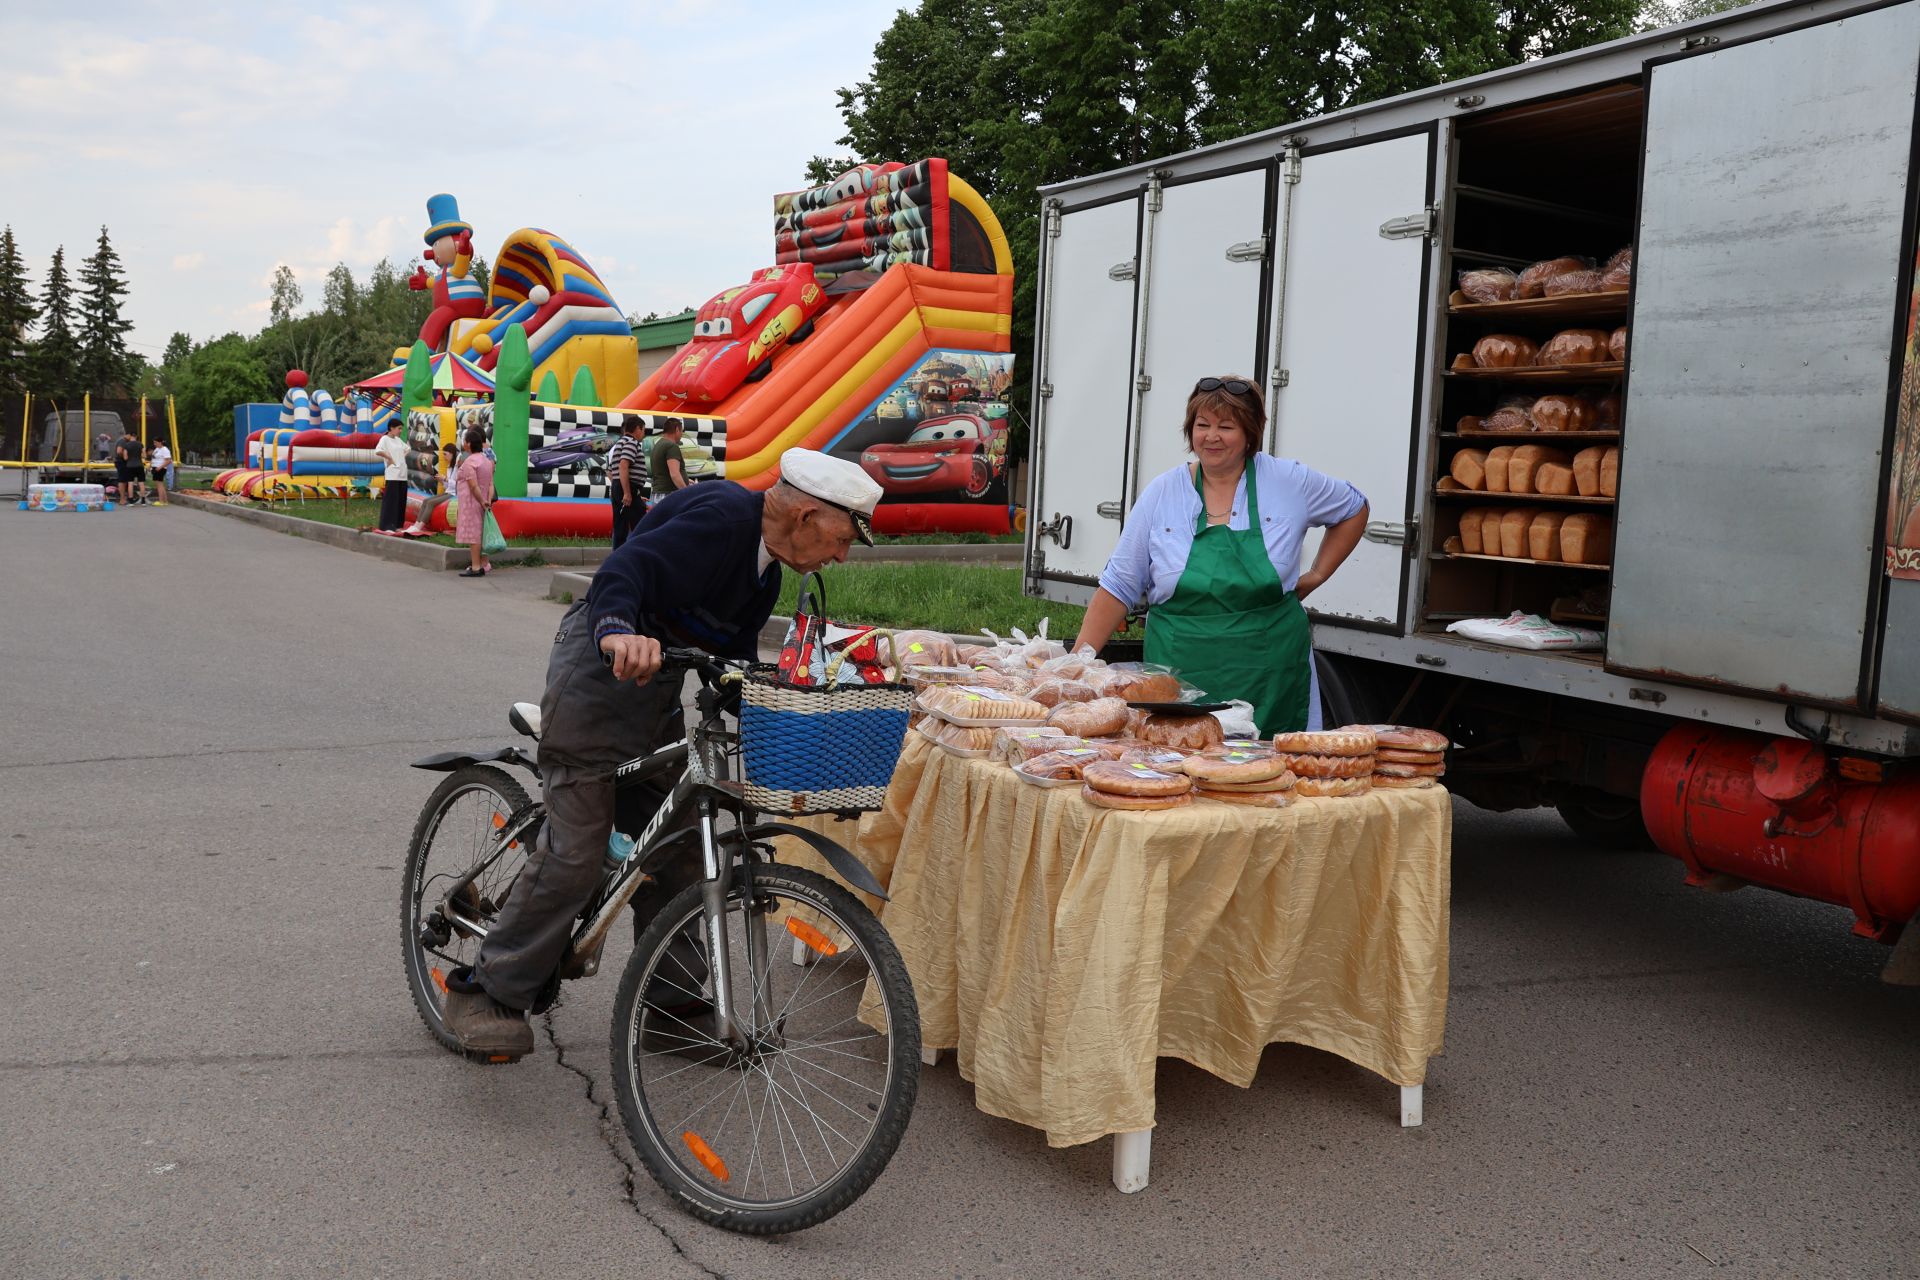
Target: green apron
x=1231, y=627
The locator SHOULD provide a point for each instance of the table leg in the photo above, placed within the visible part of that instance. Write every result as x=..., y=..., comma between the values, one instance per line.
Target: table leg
x=1132, y=1153
x=929, y=1056
x=1412, y=1103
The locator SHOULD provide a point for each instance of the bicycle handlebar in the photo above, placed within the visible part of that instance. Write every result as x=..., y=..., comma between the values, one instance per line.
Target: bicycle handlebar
x=709, y=667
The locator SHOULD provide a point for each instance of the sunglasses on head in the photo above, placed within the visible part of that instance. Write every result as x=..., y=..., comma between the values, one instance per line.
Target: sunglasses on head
x=1232, y=386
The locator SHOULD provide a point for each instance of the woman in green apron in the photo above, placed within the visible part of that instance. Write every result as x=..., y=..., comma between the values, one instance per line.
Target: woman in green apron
x=1212, y=549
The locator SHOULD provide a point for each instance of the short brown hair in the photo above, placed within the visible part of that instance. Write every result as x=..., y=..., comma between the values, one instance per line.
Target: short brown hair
x=476, y=440
x=1247, y=410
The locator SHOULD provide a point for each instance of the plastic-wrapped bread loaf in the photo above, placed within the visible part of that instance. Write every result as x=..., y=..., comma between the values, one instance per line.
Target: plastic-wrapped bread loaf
x=1526, y=461
x=1532, y=283
x=1495, y=284
x=1606, y=412
x=1618, y=273
x=1543, y=535
x=1610, y=472
x=1561, y=413
x=1574, y=346
x=1553, y=480
x=1469, y=467
x=1571, y=282
x=1513, y=531
x=1586, y=471
x=1470, y=522
x=1617, y=344
x=1504, y=351
x=1509, y=417
x=1496, y=467
x=1586, y=539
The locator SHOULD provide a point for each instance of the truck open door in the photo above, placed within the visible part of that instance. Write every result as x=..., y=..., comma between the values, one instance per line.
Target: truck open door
x=1351, y=319
x=1774, y=204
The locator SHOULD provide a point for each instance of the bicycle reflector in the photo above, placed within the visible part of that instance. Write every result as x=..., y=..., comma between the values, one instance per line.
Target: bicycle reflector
x=706, y=1156
x=812, y=937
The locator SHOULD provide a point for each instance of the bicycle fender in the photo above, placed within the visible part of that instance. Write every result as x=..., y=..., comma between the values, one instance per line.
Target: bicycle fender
x=448, y=761
x=848, y=867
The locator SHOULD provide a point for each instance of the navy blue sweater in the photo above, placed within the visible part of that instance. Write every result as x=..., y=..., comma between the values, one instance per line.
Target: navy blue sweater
x=689, y=573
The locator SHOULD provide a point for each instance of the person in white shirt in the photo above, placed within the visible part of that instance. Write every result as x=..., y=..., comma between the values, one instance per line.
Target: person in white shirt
x=160, y=465
x=392, y=450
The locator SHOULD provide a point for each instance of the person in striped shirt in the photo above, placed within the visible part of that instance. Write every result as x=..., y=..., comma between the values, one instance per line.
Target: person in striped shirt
x=626, y=476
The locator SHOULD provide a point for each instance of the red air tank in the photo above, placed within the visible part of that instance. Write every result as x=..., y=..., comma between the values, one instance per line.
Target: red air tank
x=1779, y=812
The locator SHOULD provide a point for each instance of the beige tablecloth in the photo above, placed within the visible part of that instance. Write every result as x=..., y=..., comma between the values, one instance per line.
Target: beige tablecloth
x=1060, y=948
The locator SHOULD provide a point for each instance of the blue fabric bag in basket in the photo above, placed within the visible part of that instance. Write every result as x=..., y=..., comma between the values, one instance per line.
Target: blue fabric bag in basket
x=826, y=748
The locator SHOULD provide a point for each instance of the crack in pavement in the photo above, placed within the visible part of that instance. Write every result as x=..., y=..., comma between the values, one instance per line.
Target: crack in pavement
x=215, y=1059
x=630, y=1188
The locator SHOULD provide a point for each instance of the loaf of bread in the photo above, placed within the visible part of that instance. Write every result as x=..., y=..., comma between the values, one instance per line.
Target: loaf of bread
x=1513, y=532
x=1111, y=800
x=1561, y=413
x=1094, y=719
x=1586, y=539
x=1059, y=766
x=1135, y=779
x=1327, y=742
x=1400, y=737
x=1526, y=460
x=1323, y=788
x=1511, y=416
x=1135, y=685
x=1543, y=535
x=1494, y=284
x=1496, y=467
x=1553, y=480
x=1189, y=733
x=1381, y=780
x=1447, y=484
x=1610, y=472
x=1504, y=351
x=1400, y=770
x=1618, y=273
x=1532, y=283
x=1586, y=471
x=1470, y=521
x=1278, y=798
x=1574, y=346
x=1165, y=759
x=1317, y=766
x=1568, y=282
x=925, y=649
x=1051, y=693
x=1014, y=744
x=1224, y=764
x=1606, y=412
x=1282, y=781
x=1392, y=756
x=1469, y=467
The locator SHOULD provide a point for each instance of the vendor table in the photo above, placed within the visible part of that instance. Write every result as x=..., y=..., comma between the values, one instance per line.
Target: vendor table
x=1060, y=948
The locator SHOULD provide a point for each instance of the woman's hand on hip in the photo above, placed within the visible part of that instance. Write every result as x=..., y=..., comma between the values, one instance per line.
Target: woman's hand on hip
x=1309, y=581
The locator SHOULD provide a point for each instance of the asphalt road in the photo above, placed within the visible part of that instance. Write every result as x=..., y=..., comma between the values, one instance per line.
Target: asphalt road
x=209, y=1064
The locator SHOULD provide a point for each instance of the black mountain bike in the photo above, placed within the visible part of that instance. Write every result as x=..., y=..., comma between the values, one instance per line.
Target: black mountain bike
x=766, y=1041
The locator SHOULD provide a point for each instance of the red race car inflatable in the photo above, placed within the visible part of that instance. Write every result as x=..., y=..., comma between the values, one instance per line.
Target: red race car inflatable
x=961, y=451
x=739, y=329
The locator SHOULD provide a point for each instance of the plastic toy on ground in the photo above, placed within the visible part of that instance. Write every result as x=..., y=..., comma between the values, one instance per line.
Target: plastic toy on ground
x=66, y=497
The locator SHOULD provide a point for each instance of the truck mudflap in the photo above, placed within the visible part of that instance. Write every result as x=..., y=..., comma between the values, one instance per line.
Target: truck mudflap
x=1740, y=808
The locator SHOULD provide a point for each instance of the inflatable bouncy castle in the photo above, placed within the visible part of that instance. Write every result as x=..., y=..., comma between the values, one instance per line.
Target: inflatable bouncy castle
x=319, y=448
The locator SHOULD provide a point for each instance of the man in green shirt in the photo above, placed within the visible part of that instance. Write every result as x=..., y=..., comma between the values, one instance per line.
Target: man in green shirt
x=666, y=468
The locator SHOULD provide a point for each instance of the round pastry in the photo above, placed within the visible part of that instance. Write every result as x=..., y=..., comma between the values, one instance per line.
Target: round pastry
x=1135, y=779
x=1315, y=766
x=1266, y=799
x=1393, y=770
x=1410, y=757
x=1189, y=733
x=1505, y=351
x=1060, y=765
x=1139, y=686
x=1108, y=800
x=1399, y=737
x=1114, y=748
x=1226, y=764
x=1282, y=781
x=1354, y=740
x=1403, y=784
x=1166, y=759
x=1324, y=787
x=1094, y=719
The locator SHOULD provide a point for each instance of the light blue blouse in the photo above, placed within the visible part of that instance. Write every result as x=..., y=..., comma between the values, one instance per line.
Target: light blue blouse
x=1158, y=533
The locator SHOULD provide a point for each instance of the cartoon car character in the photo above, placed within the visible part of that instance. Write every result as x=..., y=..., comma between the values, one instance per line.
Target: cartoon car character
x=900, y=402
x=576, y=449
x=959, y=451
x=740, y=328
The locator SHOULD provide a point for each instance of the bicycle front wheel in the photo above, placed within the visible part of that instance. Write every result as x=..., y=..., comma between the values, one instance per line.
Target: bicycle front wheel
x=790, y=1122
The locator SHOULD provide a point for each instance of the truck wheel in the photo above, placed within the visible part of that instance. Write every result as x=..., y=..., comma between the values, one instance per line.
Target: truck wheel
x=1602, y=819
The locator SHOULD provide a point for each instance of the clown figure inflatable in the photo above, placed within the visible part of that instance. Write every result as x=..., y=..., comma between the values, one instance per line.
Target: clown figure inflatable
x=456, y=294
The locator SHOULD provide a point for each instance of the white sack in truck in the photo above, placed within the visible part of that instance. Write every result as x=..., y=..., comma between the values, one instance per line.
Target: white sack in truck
x=1527, y=631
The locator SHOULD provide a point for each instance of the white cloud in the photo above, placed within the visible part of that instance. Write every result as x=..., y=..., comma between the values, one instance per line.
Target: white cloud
x=189, y=261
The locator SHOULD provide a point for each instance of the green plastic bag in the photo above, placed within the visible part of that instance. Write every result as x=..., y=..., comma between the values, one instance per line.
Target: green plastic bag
x=491, y=539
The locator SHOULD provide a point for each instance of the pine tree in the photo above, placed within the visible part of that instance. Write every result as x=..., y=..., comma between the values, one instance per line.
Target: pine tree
x=56, y=357
x=17, y=314
x=103, y=367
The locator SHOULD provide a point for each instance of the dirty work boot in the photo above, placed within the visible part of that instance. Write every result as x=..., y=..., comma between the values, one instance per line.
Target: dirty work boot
x=487, y=1030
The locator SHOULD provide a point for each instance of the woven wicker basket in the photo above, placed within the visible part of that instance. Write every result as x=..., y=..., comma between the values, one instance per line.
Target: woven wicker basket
x=819, y=749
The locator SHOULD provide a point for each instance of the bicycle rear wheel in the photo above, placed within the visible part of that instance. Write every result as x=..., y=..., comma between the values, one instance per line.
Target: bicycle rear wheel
x=786, y=1130
x=458, y=829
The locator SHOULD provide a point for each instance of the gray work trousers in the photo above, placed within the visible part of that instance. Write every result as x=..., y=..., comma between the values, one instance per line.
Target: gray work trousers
x=590, y=724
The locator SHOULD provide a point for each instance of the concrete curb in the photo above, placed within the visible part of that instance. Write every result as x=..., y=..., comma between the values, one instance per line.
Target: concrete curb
x=423, y=555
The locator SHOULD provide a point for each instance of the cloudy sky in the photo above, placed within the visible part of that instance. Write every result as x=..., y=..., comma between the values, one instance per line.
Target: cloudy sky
x=216, y=140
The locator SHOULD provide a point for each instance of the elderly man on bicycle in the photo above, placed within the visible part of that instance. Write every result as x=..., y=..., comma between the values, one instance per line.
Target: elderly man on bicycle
x=701, y=570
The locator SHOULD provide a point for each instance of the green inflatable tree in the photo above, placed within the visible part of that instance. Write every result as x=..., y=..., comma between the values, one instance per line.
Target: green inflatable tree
x=512, y=375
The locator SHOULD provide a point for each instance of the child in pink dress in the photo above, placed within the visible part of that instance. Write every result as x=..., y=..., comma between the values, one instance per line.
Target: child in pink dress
x=475, y=495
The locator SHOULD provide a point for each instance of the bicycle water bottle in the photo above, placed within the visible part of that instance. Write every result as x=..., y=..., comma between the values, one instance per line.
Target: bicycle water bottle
x=620, y=849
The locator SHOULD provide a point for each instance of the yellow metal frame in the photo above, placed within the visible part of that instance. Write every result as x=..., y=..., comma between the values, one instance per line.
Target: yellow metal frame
x=86, y=429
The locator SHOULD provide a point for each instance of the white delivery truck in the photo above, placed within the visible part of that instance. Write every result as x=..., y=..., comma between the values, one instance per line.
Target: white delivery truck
x=1753, y=557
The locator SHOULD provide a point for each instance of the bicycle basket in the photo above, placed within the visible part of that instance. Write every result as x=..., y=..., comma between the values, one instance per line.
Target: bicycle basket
x=819, y=748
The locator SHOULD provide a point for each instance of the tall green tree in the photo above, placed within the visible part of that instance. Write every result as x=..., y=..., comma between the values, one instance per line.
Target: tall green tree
x=103, y=368
x=284, y=300
x=56, y=356
x=341, y=293
x=17, y=314
x=219, y=375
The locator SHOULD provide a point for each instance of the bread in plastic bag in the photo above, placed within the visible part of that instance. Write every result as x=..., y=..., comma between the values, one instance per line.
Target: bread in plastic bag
x=1061, y=768
x=1617, y=343
x=1505, y=351
x=1139, y=682
x=1014, y=744
x=1053, y=692
x=1617, y=275
x=961, y=740
x=925, y=677
x=1562, y=413
x=1571, y=282
x=1606, y=412
x=1532, y=283
x=1094, y=719
x=1573, y=347
x=1492, y=284
x=1512, y=415
x=925, y=649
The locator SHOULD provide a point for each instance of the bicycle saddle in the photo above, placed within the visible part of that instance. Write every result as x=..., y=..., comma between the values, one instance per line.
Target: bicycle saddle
x=525, y=716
